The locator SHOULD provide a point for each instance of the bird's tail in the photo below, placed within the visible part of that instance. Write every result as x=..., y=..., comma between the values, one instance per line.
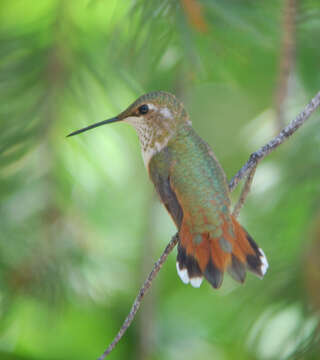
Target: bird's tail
x=203, y=255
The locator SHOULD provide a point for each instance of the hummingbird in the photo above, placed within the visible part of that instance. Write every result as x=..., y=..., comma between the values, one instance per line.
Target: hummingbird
x=193, y=188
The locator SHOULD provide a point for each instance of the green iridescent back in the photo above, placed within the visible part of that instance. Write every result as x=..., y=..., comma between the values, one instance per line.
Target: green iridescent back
x=198, y=180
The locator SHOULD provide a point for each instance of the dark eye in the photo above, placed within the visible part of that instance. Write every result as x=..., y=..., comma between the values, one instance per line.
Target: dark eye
x=143, y=109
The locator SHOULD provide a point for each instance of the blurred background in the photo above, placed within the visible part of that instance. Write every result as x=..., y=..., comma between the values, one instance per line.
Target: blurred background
x=80, y=225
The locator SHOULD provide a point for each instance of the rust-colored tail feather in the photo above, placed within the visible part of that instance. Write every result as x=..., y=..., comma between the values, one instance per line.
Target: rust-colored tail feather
x=202, y=255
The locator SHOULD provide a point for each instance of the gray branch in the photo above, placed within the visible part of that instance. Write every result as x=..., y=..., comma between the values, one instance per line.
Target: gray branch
x=244, y=193
x=245, y=171
x=293, y=126
x=137, y=302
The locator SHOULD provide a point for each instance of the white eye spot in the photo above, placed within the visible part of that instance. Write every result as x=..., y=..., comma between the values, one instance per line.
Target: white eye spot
x=165, y=112
x=152, y=107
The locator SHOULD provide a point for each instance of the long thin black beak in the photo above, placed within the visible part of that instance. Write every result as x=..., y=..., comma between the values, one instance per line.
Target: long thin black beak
x=109, y=121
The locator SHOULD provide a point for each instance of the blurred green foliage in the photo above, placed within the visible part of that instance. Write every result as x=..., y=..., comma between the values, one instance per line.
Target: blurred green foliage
x=80, y=226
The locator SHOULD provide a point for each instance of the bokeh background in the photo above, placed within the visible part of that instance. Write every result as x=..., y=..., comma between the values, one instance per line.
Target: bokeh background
x=80, y=225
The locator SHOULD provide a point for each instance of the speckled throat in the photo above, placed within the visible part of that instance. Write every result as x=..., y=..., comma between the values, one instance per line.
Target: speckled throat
x=155, y=130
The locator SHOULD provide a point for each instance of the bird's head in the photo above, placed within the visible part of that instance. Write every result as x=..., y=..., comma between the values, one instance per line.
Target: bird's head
x=155, y=116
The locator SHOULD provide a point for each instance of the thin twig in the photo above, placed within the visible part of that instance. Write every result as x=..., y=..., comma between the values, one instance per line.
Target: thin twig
x=146, y=328
x=244, y=193
x=246, y=170
x=137, y=302
x=293, y=126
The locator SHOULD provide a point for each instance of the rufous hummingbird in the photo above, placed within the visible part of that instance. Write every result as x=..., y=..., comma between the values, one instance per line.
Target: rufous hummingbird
x=193, y=187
